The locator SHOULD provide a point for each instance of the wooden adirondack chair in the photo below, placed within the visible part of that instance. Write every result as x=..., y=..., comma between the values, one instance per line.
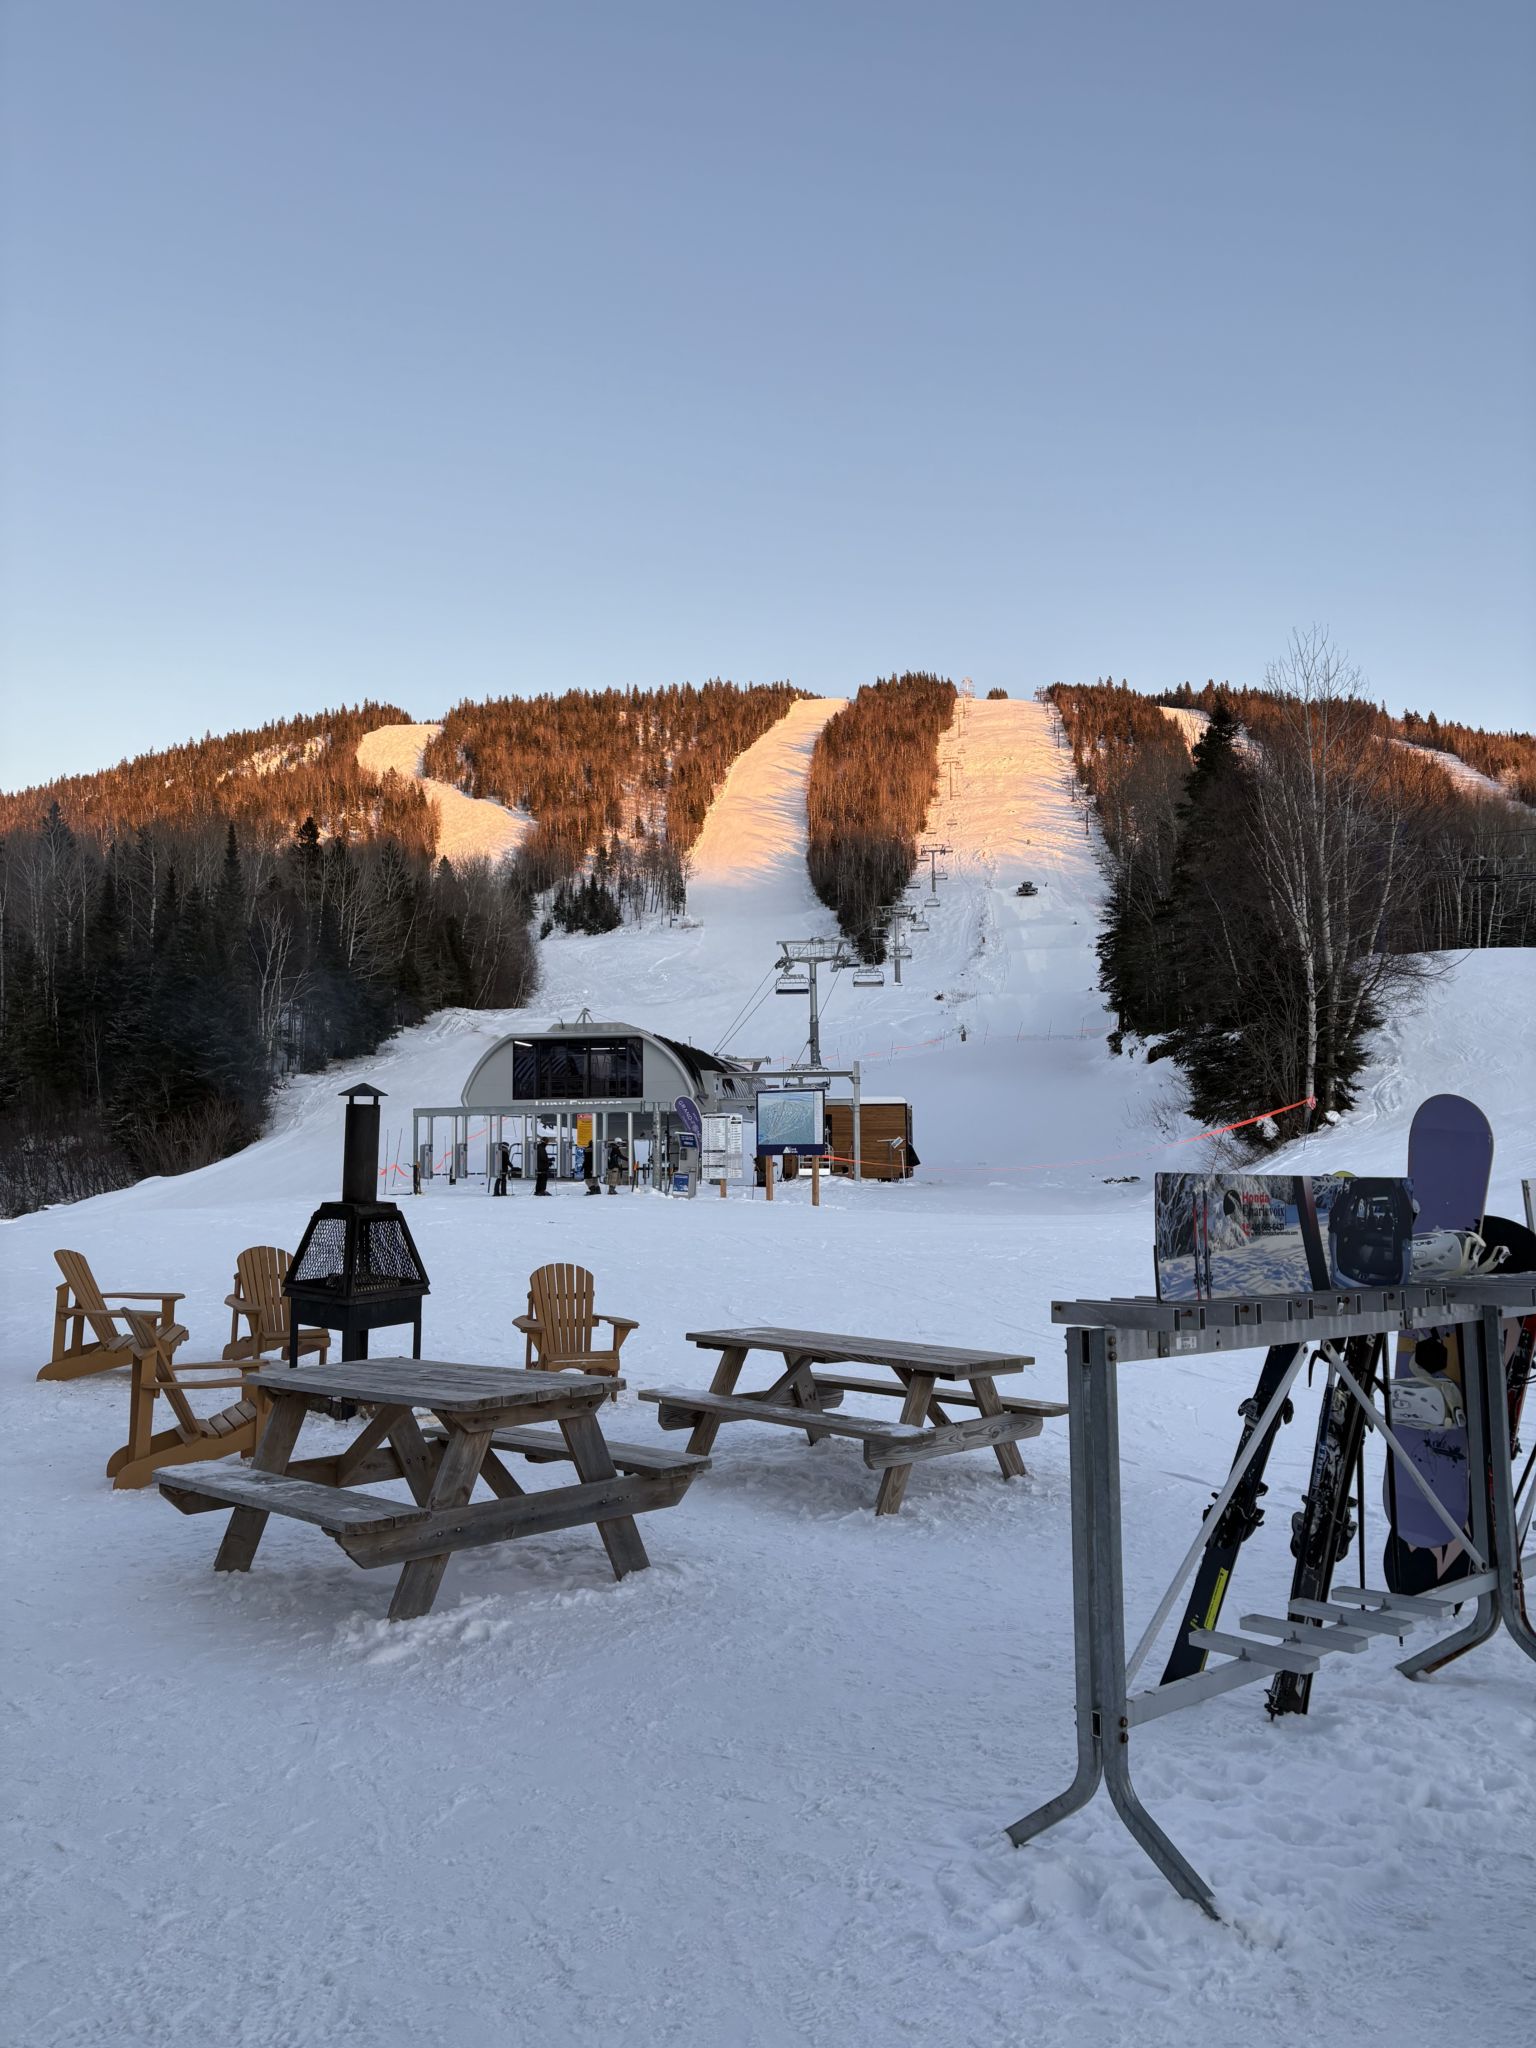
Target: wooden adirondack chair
x=79, y=1302
x=561, y=1322
x=259, y=1299
x=192, y=1437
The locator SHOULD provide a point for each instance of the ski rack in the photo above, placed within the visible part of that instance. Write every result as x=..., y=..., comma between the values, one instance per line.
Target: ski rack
x=1101, y=1336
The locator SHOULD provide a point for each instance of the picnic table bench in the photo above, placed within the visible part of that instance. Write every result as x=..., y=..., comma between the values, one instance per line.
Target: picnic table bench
x=803, y=1397
x=481, y=1412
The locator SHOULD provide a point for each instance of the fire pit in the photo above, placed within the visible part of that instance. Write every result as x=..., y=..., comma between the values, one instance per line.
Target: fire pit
x=357, y=1268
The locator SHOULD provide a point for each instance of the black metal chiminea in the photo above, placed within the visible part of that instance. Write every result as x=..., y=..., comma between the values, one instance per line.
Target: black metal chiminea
x=357, y=1268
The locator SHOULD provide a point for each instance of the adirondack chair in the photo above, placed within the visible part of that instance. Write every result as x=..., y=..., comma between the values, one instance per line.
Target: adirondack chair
x=561, y=1322
x=259, y=1300
x=78, y=1303
x=192, y=1437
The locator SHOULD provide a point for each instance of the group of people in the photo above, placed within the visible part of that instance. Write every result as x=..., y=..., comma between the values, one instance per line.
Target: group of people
x=585, y=1164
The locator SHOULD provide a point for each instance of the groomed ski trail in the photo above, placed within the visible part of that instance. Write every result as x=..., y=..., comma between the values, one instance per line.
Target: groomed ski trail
x=468, y=827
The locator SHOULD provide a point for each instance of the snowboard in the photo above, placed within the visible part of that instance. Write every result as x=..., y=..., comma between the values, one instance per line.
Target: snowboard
x=1450, y=1158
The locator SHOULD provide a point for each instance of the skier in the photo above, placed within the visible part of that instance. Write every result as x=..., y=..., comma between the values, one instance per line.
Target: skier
x=618, y=1165
x=589, y=1168
x=503, y=1168
x=543, y=1166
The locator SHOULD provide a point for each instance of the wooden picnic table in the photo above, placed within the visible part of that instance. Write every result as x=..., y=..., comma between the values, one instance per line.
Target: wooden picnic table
x=802, y=1396
x=481, y=1412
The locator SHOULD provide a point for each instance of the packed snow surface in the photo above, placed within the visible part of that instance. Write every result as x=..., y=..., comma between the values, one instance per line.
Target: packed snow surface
x=755, y=1796
x=468, y=827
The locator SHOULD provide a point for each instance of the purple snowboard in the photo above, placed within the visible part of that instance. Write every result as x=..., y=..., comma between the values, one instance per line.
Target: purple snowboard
x=1450, y=1157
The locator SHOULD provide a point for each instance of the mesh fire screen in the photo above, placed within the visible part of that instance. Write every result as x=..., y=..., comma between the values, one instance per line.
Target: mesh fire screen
x=350, y=1251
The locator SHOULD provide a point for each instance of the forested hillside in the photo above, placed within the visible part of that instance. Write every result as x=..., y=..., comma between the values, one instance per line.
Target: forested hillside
x=1268, y=898
x=264, y=780
x=619, y=779
x=153, y=988
x=872, y=778
x=178, y=932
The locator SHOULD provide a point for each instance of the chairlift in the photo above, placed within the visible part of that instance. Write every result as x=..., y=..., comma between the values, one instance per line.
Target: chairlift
x=792, y=984
x=933, y=903
x=918, y=924
x=868, y=977
x=941, y=874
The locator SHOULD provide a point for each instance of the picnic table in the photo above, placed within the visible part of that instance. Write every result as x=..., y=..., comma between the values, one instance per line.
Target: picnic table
x=482, y=1412
x=803, y=1394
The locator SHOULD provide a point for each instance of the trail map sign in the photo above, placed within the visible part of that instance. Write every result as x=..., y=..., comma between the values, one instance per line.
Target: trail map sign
x=792, y=1120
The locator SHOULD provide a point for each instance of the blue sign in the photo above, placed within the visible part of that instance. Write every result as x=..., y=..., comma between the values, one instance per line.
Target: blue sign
x=688, y=1116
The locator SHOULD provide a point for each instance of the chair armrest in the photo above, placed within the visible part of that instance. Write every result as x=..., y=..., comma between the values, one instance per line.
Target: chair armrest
x=179, y=1372
x=140, y=1294
x=529, y=1325
x=620, y=1322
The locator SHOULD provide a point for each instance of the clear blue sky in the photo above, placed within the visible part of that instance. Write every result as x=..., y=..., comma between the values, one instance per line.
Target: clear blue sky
x=433, y=349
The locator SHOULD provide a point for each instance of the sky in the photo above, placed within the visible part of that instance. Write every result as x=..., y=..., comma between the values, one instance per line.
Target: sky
x=370, y=348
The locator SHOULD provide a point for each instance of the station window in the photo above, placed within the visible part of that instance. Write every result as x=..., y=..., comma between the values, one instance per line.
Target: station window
x=577, y=1069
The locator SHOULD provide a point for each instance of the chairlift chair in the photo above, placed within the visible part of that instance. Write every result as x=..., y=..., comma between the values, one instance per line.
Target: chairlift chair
x=933, y=903
x=792, y=985
x=919, y=924
x=868, y=977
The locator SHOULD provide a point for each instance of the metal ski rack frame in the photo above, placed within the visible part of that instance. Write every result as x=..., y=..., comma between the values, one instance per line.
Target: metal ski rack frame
x=1103, y=1335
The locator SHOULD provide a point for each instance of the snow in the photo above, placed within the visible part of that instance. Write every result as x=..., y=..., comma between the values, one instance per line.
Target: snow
x=754, y=1797
x=1191, y=724
x=468, y=827
x=1470, y=781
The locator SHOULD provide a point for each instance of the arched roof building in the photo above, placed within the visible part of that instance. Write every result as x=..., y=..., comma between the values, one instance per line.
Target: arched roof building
x=590, y=1065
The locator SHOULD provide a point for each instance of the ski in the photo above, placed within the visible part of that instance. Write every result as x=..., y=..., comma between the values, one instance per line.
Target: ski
x=1241, y=1516
x=1323, y=1527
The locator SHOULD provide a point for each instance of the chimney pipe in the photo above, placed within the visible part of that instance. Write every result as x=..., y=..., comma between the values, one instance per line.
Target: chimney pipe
x=360, y=1156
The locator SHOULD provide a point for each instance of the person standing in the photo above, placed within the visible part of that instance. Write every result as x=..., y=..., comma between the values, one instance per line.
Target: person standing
x=618, y=1165
x=543, y=1166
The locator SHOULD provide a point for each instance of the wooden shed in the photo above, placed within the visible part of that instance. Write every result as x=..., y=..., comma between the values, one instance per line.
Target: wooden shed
x=886, y=1126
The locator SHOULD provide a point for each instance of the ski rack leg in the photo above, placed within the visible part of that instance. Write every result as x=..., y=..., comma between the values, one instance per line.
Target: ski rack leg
x=1103, y=1719
x=1505, y=1532
x=1090, y=1748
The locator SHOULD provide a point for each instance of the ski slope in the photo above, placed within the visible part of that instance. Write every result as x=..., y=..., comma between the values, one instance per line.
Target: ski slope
x=468, y=827
x=754, y=1797
x=1470, y=781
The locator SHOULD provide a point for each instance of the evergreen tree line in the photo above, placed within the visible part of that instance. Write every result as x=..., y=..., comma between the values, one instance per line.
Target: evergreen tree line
x=1508, y=758
x=872, y=778
x=260, y=780
x=1271, y=896
x=155, y=986
x=628, y=774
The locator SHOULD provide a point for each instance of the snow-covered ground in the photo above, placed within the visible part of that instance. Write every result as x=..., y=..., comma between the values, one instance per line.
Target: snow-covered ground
x=754, y=1797
x=468, y=827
